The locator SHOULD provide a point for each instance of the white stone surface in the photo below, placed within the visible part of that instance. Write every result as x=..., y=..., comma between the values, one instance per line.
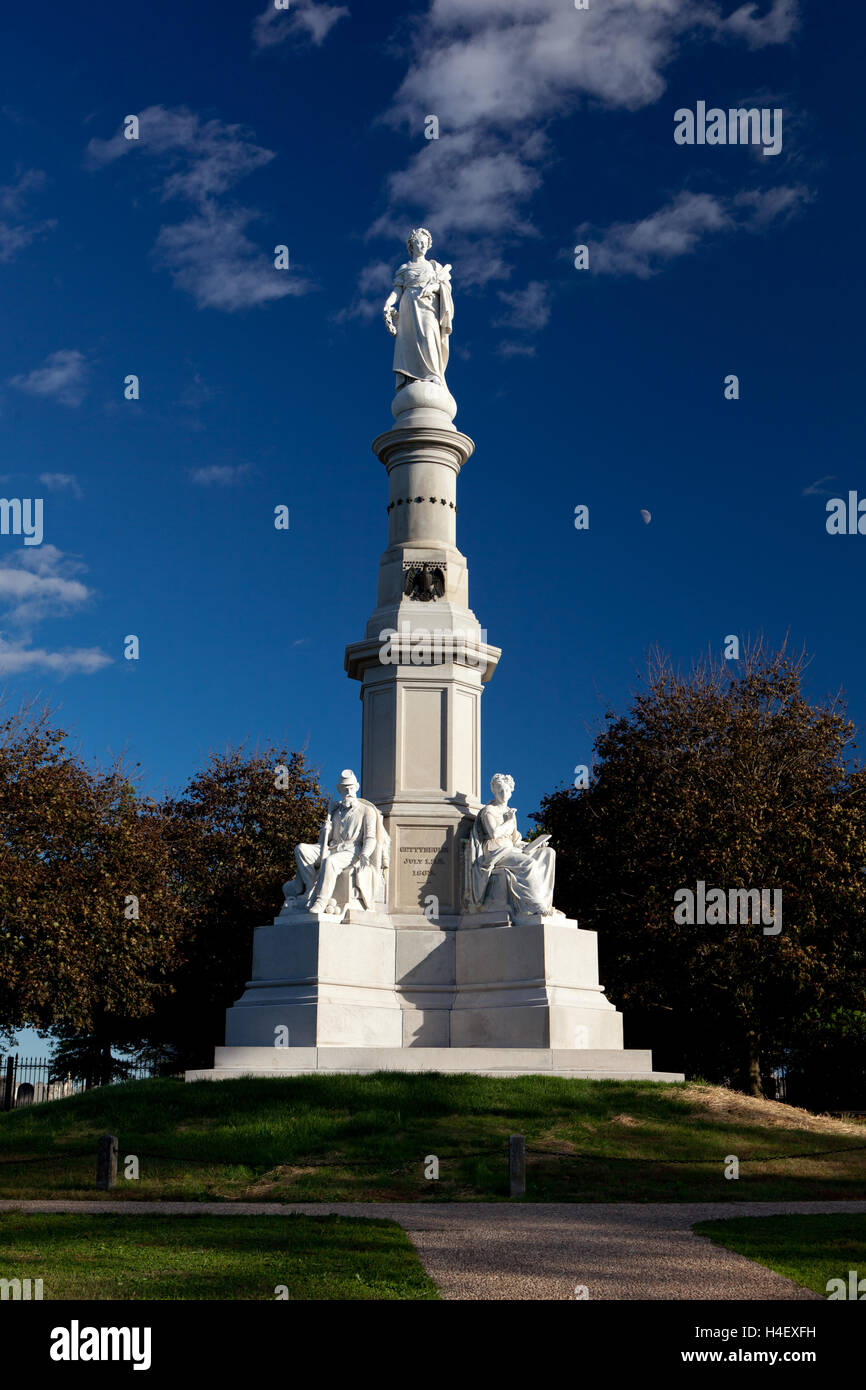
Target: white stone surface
x=424, y=403
x=531, y=986
x=338, y=984
x=426, y=964
x=324, y=981
x=635, y=1065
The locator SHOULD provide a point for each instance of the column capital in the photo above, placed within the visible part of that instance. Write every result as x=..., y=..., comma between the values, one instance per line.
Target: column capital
x=423, y=444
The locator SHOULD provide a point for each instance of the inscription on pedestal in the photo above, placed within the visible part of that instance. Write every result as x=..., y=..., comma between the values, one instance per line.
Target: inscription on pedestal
x=423, y=866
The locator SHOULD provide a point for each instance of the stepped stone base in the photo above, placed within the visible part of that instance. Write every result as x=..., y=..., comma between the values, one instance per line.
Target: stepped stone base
x=607, y=1064
x=337, y=994
x=323, y=982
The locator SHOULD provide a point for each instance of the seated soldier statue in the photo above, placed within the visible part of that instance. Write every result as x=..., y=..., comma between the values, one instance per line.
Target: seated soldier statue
x=353, y=842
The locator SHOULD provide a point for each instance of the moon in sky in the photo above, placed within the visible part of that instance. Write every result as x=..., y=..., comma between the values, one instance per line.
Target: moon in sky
x=647, y=516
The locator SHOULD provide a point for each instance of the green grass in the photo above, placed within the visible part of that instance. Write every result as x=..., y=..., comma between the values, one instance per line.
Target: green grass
x=211, y=1257
x=365, y=1138
x=808, y=1249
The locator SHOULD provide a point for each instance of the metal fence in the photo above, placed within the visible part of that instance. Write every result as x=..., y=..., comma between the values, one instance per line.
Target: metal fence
x=31, y=1080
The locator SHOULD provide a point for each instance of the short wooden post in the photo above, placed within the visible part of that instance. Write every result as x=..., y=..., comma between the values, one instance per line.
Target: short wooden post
x=106, y=1161
x=517, y=1165
x=9, y=1084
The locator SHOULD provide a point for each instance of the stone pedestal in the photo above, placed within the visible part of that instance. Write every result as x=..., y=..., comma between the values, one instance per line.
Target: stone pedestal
x=534, y=985
x=317, y=983
x=325, y=982
x=426, y=974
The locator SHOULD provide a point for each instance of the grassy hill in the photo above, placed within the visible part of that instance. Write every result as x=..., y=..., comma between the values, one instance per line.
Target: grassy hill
x=367, y=1138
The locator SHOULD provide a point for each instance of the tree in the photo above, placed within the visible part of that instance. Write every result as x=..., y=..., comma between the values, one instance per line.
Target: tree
x=88, y=1056
x=232, y=834
x=825, y=1063
x=729, y=777
x=89, y=926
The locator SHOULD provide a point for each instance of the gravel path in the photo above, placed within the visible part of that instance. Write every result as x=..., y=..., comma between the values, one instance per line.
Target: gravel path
x=533, y=1250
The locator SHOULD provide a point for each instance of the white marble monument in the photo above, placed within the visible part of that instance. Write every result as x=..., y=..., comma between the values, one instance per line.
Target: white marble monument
x=419, y=933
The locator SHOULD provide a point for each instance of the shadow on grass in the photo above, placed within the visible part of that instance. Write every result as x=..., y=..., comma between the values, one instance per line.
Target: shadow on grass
x=184, y=1258
x=367, y=1138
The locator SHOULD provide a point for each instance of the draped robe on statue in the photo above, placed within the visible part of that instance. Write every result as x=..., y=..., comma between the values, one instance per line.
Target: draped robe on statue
x=424, y=316
x=495, y=847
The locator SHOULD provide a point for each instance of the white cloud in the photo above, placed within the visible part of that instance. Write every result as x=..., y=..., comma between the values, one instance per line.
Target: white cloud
x=14, y=196
x=197, y=394
x=36, y=584
x=484, y=66
x=509, y=348
x=645, y=247
x=209, y=255
x=765, y=207
x=40, y=582
x=374, y=285
x=501, y=63
x=62, y=377
x=203, y=158
x=305, y=19
x=776, y=26
x=498, y=72
x=15, y=231
x=527, y=310
x=24, y=591
x=468, y=190
x=224, y=475
x=14, y=239
x=17, y=659
x=817, y=488
x=60, y=482
x=471, y=189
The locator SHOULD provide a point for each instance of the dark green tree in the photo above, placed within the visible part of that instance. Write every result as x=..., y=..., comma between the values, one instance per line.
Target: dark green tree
x=730, y=776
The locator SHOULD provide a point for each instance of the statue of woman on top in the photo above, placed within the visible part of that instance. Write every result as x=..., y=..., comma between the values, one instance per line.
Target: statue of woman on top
x=419, y=312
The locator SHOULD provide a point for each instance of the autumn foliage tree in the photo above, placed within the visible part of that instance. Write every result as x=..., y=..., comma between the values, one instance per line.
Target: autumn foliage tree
x=89, y=920
x=732, y=777
x=231, y=836
x=126, y=924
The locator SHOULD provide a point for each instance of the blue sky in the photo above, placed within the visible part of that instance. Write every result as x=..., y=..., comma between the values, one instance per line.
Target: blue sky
x=262, y=387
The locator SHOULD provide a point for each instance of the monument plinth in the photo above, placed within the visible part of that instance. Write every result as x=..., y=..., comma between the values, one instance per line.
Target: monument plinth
x=419, y=933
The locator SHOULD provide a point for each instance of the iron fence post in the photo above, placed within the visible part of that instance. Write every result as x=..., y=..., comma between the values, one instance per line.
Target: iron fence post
x=9, y=1085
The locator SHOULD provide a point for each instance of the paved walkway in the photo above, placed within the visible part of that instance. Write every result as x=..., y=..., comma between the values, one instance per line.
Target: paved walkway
x=534, y=1250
